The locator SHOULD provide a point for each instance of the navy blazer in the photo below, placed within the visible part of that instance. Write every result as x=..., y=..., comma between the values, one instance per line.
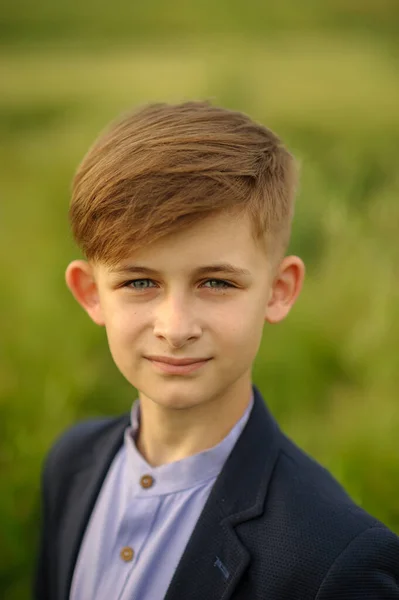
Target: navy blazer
x=276, y=526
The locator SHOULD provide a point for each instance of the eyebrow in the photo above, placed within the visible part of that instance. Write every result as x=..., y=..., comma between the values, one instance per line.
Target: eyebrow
x=216, y=268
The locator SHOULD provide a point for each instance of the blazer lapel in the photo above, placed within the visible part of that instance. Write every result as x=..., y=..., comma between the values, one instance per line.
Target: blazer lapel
x=84, y=486
x=215, y=559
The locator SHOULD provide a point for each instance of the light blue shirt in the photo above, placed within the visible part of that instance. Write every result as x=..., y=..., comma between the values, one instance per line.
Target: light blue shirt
x=143, y=519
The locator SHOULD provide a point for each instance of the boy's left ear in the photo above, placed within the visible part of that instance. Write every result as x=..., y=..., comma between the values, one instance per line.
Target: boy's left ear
x=80, y=279
x=286, y=288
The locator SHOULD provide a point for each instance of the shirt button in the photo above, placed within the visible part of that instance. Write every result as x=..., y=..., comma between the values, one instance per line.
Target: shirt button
x=127, y=554
x=146, y=481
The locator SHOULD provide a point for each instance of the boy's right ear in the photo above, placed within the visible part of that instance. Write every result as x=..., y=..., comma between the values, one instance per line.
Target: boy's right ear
x=80, y=279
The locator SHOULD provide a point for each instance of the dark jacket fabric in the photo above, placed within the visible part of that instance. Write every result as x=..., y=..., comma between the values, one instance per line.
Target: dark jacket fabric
x=276, y=526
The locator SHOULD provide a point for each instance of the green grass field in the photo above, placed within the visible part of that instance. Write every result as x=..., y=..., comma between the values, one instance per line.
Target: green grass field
x=330, y=372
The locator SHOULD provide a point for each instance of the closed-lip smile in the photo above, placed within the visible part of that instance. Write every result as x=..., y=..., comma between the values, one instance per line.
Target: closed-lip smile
x=176, y=361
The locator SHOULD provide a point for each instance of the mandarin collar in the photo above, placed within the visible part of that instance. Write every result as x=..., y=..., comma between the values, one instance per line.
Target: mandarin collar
x=180, y=475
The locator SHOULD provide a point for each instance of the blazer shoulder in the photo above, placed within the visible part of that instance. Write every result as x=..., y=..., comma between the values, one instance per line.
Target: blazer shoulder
x=73, y=443
x=308, y=522
x=368, y=567
x=319, y=493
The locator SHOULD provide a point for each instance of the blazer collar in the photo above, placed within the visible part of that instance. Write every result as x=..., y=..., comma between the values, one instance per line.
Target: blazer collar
x=84, y=486
x=214, y=558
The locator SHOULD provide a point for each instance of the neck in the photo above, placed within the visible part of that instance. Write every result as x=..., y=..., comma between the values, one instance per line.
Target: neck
x=169, y=434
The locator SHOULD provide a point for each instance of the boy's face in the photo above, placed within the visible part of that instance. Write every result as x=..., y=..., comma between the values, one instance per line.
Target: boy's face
x=176, y=311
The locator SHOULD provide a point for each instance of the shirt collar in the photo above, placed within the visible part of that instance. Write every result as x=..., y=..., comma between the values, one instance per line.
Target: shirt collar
x=182, y=474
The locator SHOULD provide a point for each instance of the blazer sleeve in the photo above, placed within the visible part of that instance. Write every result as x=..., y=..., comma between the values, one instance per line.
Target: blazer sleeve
x=368, y=568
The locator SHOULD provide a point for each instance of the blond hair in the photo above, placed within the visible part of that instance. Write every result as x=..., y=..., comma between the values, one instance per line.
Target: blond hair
x=165, y=167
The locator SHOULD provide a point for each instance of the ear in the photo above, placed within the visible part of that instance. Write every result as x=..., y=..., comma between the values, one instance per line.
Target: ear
x=286, y=287
x=79, y=277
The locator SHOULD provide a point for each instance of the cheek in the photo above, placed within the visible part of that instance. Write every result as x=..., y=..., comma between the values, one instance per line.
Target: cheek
x=121, y=315
x=243, y=328
x=122, y=343
x=121, y=324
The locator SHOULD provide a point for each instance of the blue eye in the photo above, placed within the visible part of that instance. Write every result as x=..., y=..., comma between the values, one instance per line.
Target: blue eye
x=139, y=287
x=137, y=284
x=222, y=284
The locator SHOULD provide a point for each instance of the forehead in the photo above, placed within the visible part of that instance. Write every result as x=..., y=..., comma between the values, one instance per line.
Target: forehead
x=222, y=238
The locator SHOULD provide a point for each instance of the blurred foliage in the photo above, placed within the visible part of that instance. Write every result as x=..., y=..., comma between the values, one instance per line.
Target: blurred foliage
x=325, y=77
x=24, y=21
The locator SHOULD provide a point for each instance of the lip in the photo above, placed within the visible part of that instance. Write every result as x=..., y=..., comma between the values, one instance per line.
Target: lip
x=176, y=361
x=178, y=369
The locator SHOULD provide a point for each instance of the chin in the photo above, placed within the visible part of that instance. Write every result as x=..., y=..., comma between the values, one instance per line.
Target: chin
x=176, y=396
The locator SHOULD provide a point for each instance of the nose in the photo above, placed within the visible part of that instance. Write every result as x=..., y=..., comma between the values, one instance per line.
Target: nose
x=176, y=323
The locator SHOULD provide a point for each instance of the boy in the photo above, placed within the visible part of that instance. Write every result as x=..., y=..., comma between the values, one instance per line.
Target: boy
x=183, y=213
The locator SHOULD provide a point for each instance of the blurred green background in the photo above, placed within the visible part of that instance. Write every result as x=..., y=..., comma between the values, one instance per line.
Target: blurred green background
x=324, y=76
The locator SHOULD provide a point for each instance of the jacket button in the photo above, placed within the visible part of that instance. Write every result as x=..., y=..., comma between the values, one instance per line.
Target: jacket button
x=146, y=481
